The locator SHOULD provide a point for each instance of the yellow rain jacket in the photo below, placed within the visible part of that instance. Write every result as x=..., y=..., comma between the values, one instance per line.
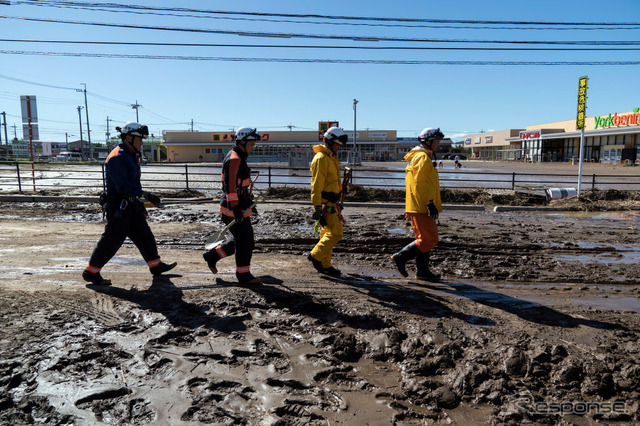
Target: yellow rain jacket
x=422, y=181
x=325, y=174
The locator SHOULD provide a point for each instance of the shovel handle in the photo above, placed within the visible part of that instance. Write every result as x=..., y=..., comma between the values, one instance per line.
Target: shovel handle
x=212, y=242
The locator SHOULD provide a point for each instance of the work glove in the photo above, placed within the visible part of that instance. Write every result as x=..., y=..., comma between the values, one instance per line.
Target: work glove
x=238, y=213
x=152, y=198
x=433, y=210
x=318, y=215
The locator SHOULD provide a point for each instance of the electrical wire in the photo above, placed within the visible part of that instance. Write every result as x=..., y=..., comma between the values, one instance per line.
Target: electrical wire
x=318, y=16
x=315, y=61
x=326, y=37
x=6, y=77
x=276, y=46
x=437, y=25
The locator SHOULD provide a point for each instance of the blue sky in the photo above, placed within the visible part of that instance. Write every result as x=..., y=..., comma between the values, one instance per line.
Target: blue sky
x=220, y=95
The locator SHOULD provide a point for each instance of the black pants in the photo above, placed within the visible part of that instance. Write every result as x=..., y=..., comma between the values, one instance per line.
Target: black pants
x=241, y=242
x=132, y=224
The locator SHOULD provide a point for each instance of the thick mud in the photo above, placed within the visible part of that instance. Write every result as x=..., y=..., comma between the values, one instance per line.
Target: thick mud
x=536, y=321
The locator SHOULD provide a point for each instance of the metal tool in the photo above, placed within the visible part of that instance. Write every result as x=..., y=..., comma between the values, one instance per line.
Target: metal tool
x=216, y=239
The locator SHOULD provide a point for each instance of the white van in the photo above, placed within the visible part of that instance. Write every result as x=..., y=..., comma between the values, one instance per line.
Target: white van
x=68, y=156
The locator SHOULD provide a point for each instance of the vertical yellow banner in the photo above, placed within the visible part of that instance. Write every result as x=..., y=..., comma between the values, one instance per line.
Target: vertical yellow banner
x=582, y=102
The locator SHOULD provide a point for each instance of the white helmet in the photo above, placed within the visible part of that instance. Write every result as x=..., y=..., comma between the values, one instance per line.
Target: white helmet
x=335, y=134
x=430, y=134
x=133, y=128
x=246, y=134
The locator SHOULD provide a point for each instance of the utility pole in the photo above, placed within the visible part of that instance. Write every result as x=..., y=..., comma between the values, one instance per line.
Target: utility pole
x=4, y=118
x=1, y=131
x=192, y=124
x=355, y=137
x=107, y=133
x=86, y=110
x=15, y=131
x=66, y=137
x=80, y=121
x=136, y=106
x=290, y=126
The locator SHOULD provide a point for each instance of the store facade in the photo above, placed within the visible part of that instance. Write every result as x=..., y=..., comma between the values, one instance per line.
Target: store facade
x=614, y=138
x=276, y=146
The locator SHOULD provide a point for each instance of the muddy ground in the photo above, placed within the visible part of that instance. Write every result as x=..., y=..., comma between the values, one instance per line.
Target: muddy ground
x=536, y=321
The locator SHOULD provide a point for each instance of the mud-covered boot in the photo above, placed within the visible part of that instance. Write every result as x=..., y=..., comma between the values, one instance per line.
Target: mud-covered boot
x=212, y=257
x=95, y=278
x=332, y=272
x=246, y=278
x=162, y=268
x=423, y=272
x=400, y=258
x=316, y=263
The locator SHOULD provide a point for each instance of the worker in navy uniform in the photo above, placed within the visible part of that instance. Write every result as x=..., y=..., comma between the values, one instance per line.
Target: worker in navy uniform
x=234, y=205
x=126, y=214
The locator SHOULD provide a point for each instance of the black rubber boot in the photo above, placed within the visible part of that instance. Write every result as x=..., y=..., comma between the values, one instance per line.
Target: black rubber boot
x=316, y=264
x=162, y=268
x=332, y=272
x=212, y=257
x=95, y=278
x=247, y=279
x=423, y=272
x=400, y=258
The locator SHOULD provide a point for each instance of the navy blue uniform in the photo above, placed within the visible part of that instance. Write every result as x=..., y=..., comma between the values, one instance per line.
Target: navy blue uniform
x=126, y=215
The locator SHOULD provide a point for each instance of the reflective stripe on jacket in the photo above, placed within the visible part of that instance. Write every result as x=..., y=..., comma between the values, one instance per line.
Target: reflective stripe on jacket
x=325, y=174
x=236, y=179
x=422, y=181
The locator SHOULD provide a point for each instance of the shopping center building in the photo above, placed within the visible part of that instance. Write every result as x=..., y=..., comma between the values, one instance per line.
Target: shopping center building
x=278, y=146
x=295, y=147
x=614, y=137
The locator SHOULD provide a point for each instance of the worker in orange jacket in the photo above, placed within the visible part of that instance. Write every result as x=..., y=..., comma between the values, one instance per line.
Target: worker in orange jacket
x=422, y=206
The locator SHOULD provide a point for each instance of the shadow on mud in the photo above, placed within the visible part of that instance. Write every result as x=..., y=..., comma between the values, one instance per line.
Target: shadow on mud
x=165, y=298
x=280, y=296
x=530, y=311
x=401, y=298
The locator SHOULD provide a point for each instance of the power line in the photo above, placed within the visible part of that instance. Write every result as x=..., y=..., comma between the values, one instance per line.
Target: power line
x=327, y=37
x=445, y=24
x=318, y=16
x=34, y=83
x=322, y=61
x=288, y=46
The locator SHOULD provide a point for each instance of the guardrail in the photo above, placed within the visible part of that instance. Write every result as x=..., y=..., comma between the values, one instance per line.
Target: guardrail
x=90, y=177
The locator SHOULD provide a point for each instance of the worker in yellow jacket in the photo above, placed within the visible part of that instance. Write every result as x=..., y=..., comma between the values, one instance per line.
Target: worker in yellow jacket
x=325, y=196
x=422, y=206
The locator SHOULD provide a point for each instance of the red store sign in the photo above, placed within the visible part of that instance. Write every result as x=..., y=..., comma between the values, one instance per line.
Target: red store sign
x=531, y=134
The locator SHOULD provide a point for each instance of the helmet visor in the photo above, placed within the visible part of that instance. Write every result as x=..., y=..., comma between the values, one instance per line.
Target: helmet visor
x=340, y=140
x=142, y=131
x=253, y=136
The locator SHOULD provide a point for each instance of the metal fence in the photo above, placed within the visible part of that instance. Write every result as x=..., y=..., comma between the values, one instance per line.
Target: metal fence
x=90, y=178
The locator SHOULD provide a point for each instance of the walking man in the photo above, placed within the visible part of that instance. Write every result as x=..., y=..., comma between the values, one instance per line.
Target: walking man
x=422, y=205
x=126, y=215
x=325, y=196
x=234, y=206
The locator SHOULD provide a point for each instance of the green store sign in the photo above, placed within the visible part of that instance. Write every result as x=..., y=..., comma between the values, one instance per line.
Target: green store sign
x=618, y=120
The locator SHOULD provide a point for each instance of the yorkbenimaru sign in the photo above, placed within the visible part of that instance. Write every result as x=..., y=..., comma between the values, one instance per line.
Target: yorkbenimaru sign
x=619, y=120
